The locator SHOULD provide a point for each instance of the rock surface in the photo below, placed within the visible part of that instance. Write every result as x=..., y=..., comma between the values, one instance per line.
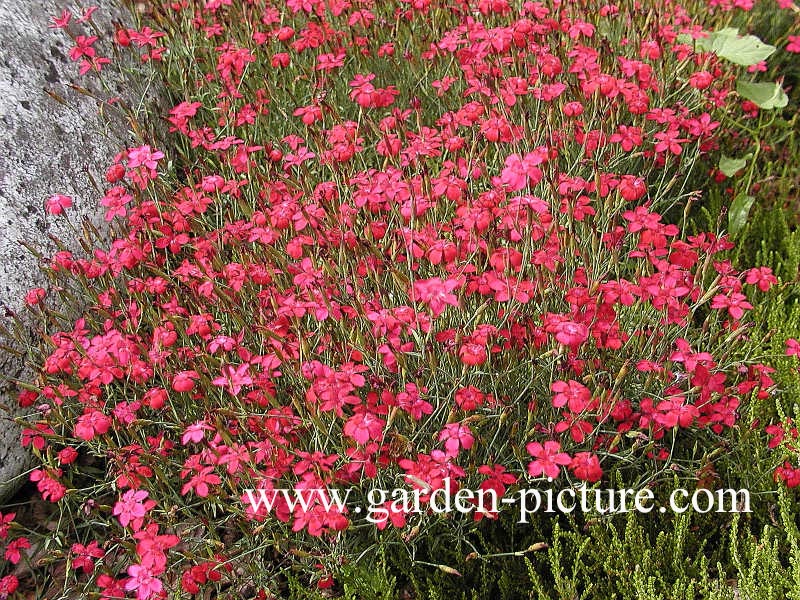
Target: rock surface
x=49, y=147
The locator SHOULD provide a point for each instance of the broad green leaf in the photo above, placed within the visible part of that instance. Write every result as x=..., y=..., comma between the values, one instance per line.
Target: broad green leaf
x=728, y=44
x=738, y=212
x=727, y=32
x=701, y=44
x=709, y=43
x=746, y=51
x=763, y=95
x=730, y=166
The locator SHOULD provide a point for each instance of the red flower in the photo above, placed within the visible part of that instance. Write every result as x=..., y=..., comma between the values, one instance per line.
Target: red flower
x=13, y=549
x=85, y=555
x=571, y=334
x=788, y=474
x=701, y=80
x=761, y=276
x=8, y=585
x=469, y=398
x=92, y=423
x=67, y=455
x=473, y=354
x=389, y=514
x=184, y=381
x=5, y=524
x=631, y=188
x=586, y=466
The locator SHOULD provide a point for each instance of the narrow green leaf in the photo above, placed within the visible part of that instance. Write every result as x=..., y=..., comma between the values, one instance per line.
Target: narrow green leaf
x=730, y=166
x=764, y=95
x=738, y=212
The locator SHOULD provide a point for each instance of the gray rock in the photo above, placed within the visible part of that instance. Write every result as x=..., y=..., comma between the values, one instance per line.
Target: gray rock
x=49, y=147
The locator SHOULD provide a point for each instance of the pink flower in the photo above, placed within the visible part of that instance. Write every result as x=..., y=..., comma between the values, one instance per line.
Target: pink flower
x=152, y=547
x=519, y=172
x=48, y=485
x=792, y=347
x=195, y=432
x=56, y=204
x=234, y=378
x=144, y=156
x=571, y=393
x=435, y=293
x=87, y=14
x=115, y=200
x=364, y=426
x=62, y=21
x=456, y=436
x=35, y=295
x=83, y=47
x=736, y=304
x=143, y=582
x=130, y=507
x=674, y=412
x=200, y=482
x=548, y=458
x=794, y=43
x=411, y=401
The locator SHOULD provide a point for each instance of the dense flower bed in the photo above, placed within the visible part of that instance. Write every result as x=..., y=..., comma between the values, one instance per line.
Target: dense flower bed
x=390, y=243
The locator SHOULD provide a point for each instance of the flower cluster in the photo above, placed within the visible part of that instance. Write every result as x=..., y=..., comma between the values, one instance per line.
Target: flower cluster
x=402, y=239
